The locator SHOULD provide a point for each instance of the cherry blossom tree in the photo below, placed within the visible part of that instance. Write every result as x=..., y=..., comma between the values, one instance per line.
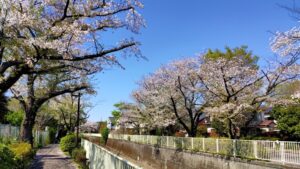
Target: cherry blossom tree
x=236, y=90
x=174, y=94
x=64, y=32
x=227, y=85
x=133, y=115
x=231, y=83
x=34, y=90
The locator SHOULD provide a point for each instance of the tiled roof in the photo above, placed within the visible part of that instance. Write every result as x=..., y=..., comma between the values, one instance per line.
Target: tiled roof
x=266, y=123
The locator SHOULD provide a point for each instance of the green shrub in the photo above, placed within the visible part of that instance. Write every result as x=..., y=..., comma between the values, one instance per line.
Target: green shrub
x=79, y=156
x=104, y=134
x=6, y=158
x=23, y=153
x=15, y=118
x=68, y=143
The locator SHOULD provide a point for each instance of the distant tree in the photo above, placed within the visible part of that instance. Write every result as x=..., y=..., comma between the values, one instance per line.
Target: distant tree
x=288, y=120
x=66, y=108
x=173, y=94
x=232, y=81
x=237, y=87
x=116, y=113
x=135, y=115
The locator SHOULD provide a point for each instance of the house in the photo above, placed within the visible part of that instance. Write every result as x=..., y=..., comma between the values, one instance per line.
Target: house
x=268, y=126
x=110, y=123
x=205, y=121
x=261, y=123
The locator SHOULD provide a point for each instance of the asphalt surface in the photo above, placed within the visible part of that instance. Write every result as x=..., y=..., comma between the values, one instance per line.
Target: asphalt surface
x=51, y=157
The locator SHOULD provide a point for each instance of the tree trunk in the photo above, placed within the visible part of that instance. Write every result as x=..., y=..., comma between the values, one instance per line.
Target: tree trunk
x=230, y=132
x=27, y=127
x=193, y=131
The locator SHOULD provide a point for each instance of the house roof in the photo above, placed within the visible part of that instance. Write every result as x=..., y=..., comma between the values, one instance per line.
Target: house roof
x=266, y=123
x=205, y=120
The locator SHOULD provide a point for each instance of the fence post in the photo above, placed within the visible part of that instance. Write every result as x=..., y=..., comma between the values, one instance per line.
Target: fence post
x=9, y=130
x=182, y=143
x=282, y=153
x=203, y=145
x=174, y=140
x=192, y=143
x=217, y=145
x=255, y=149
x=167, y=141
x=234, y=148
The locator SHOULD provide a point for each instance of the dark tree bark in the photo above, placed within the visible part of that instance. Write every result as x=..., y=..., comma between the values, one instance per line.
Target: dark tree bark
x=3, y=108
x=33, y=103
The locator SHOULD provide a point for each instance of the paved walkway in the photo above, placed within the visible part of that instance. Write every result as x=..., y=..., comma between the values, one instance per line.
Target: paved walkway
x=51, y=157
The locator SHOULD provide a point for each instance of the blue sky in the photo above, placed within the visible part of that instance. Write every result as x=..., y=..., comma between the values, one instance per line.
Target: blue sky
x=177, y=29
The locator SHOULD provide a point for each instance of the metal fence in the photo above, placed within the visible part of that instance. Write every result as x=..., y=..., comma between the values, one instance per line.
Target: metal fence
x=41, y=138
x=8, y=131
x=279, y=151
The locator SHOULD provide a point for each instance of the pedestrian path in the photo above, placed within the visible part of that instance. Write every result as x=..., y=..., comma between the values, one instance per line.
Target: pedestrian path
x=51, y=157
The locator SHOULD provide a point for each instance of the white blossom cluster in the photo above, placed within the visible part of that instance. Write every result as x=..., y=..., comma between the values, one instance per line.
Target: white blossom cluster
x=286, y=43
x=66, y=30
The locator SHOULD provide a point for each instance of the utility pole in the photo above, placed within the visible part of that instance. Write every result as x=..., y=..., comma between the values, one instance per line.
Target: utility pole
x=78, y=119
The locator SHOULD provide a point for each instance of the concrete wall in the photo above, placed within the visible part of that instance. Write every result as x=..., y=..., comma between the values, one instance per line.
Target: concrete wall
x=100, y=158
x=165, y=158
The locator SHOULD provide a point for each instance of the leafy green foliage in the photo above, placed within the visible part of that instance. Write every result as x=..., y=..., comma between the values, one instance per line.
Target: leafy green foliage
x=68, y=143
x=229, y=54
x=116, y=114
x=219, y=126
x=15, y=118
x=288, y=120
x=104, y=134
x=6, y=158
x=52, y=132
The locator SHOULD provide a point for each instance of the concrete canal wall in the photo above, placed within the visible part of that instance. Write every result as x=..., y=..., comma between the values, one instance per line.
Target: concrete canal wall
x=166, y=158
x=100, y=158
